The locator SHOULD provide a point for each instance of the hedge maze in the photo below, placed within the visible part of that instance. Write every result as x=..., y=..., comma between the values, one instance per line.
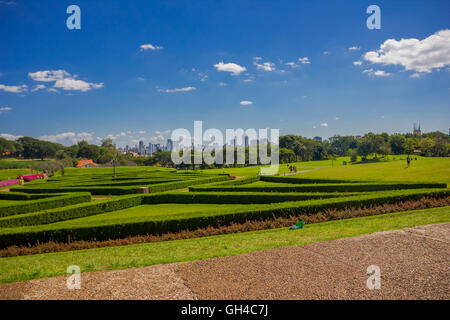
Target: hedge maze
x=62, y=209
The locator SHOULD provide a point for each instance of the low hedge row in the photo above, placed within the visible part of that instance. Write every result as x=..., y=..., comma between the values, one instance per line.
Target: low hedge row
x=342, y=187
x=33, y=235
x=237, y=182
x=87, y=209
x=23, y=196
x=45, y=203
x=295, y=180
x=186, y=183
x=235, y=198
x=14, y=196
x=93, y=190
x=72, y=212
x=123, y=190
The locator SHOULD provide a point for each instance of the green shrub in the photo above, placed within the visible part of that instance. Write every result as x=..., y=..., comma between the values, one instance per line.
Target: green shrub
x=45, y=203
x=71, y=212
x=342, y=187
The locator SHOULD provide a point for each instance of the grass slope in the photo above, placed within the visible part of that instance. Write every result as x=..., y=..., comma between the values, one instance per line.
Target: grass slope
x=51, y=264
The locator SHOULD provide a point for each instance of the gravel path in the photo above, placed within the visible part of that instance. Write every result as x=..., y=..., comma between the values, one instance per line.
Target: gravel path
x=414, y=264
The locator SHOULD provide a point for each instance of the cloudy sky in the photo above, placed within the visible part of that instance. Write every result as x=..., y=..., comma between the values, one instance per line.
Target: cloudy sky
x=137, y=70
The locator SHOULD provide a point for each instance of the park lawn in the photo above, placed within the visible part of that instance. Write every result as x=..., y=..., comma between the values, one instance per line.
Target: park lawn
x=152, y=212
x=7, y=174
x=23, y=268
x=422, y=170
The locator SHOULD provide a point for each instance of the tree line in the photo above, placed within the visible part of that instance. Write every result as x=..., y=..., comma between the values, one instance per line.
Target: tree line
x=292, y=149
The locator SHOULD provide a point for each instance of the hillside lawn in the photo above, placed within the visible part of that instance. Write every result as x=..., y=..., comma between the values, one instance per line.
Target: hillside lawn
x=23, y=268
x=422, y=170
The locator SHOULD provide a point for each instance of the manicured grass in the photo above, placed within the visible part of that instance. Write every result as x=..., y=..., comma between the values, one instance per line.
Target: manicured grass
x=51, y=264
x=422, y=170
x=150, y=212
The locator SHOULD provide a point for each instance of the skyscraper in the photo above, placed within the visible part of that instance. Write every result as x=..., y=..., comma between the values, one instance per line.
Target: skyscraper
x=169, y=145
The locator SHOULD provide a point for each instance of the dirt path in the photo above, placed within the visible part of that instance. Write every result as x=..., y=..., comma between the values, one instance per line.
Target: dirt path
x=303, y=171
x=414, y=264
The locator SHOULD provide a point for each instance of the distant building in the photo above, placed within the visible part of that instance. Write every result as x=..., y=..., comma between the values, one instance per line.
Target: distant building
x=318, y=139
x=86, y=164
x=416, y=131
x=169, y=146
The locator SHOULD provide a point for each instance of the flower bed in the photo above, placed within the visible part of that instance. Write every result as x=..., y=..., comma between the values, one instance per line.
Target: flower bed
x=7, y=183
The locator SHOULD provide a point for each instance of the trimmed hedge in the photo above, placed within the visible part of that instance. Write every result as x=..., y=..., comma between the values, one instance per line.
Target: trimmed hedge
x=235, y=198
x=72, y=212
x=342, y=187
x=23, y=196
x=295, y=180
x=123, y=190
x=33, y=235
x=14, y=196
x=184, y=184
x=238, y=182
x=45, y=203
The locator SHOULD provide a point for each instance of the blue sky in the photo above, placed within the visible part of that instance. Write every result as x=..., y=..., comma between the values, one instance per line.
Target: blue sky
x=300, y=73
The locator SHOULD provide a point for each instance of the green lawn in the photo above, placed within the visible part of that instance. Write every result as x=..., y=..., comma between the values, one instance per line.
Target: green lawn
x=52, y=264
x=422, y=170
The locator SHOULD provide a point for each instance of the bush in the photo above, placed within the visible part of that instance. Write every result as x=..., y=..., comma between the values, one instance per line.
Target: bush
x=72, y=212
x=342, y=187
x=45, y=203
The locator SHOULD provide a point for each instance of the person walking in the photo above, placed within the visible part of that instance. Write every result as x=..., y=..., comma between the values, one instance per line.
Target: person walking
x=408, y=161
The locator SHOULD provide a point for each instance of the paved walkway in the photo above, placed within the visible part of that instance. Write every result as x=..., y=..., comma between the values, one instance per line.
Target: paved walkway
x=414, y=264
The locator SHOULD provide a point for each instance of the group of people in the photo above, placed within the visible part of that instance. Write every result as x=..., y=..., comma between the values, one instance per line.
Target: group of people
x=292, y=168
x=408, y=160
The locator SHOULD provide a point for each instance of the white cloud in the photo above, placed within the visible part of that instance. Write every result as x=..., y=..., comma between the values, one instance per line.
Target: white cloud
x=79, y=85
x=186, y=89
x=246, y=103
x=52, y=90
x=414, y=54
x=140, y=79
x=14, y=89
x=292, y=64
x=304, y=60
x=63, y=80
x=49, y=75
x=257, y=58
x=5, y=109
x=203, y=77
x=8, y=136
x=415, y=76
x=231, y=67
x=377, y=73
x=68, y=137
x=150, y=47
x=337, y=118
x=326, y=53
x=38, y=87
x=357, y=63
x=324, y=124
x=354, y=48
x=8, y=3
x=248, y=80
x=266, y=66
x=222, y=84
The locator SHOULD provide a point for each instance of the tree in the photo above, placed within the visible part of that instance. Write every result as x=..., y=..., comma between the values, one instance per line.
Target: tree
x=398, y=143
x=286, y=155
